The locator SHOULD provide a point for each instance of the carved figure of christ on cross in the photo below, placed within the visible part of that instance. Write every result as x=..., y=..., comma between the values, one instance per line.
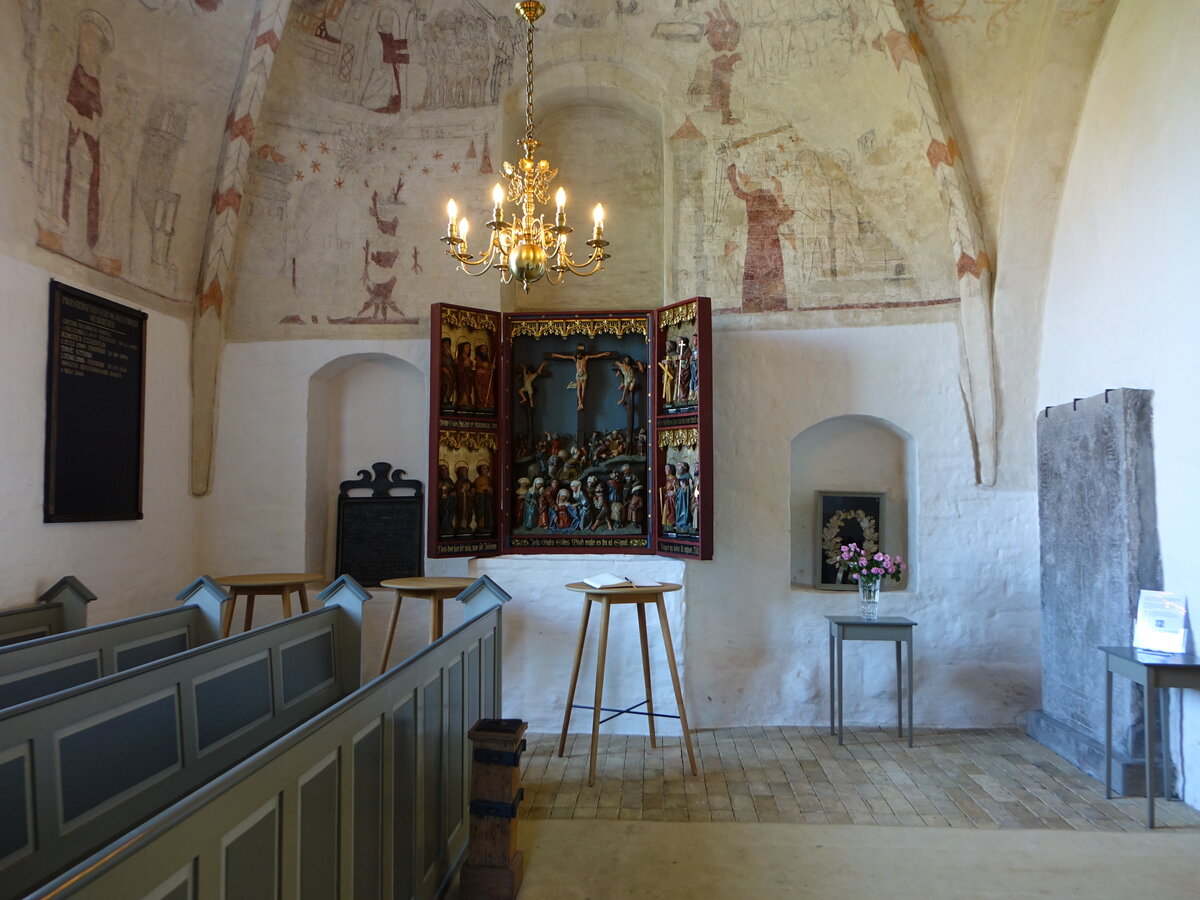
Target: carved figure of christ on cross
x=581, y=359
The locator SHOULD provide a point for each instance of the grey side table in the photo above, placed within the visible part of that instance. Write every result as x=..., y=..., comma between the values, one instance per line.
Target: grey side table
x=1152, y=671
x=854, y=628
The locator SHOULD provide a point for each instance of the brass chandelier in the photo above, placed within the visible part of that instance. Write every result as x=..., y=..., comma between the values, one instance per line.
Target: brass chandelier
x=526, y=246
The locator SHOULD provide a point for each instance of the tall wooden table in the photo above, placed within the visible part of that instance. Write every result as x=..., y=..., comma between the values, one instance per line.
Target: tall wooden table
x=607, y=597
x=250, y=586
x=435, y=589
x=1152, y=671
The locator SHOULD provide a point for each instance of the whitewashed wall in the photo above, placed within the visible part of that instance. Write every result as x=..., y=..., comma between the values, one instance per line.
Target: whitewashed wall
x=1121, y=305
x=753, y=647
x=133, y=567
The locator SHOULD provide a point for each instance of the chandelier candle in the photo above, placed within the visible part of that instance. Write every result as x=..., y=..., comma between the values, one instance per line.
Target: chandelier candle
x=526, y=247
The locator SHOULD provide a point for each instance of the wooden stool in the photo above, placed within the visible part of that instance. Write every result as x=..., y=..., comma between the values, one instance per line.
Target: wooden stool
x=641, y=596
x=434, y=589
x=494, y=866
x=250, y=586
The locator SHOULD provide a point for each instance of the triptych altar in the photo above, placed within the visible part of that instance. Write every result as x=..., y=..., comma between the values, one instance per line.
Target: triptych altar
x=582, y=433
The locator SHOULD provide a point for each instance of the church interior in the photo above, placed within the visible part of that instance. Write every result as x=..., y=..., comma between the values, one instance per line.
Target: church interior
x=918, y=224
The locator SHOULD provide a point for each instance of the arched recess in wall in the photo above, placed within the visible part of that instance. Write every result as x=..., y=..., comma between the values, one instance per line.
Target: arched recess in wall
x=363, y=408
x=853, y=454
x=606, y=139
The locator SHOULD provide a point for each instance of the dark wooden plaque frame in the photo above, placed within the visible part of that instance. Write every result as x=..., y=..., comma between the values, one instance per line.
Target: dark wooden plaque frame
x=379, y=519
x=95, y=408
x=512, y=437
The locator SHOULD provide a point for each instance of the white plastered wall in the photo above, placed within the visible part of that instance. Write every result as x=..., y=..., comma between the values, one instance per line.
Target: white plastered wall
x=1121, y=304
x=133, y=567
x=753, y=647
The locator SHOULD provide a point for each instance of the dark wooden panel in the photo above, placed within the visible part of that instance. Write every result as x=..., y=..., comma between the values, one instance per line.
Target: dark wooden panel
x=307, y=666
x=379, y=533
x=95, y=387
x=233, y=700
x=16, y=824
x=319, y=833
x=368, y=812
x=150, y=651
x=48, y=682
x=100, y=761
x=252, y=859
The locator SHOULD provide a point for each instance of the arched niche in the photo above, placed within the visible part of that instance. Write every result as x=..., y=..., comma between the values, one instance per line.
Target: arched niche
x=852, y=454
x=607, y=142
x=362, y=408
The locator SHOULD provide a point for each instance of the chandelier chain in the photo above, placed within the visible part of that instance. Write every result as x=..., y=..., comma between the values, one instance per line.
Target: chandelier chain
x=529, y=85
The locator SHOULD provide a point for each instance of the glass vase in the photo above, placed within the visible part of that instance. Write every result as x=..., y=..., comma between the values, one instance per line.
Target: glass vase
x=868, y=598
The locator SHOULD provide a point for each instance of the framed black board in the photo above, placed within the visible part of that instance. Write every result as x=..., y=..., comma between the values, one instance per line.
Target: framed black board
x=95, y=408
x=380, y=531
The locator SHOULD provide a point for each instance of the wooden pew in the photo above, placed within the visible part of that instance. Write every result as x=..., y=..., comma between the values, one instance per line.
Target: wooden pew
x=62, y=608
x=367, y=799
x=36, y=668
x=90, y=762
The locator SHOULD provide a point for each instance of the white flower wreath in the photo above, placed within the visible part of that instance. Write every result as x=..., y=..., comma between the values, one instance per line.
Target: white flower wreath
x=832, y=540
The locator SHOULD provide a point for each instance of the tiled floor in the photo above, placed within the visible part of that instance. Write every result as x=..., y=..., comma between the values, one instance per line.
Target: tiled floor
x=993, y=778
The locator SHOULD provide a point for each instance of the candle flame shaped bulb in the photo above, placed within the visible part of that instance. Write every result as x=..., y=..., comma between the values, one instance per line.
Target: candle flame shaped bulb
x=497, y=203
x=560, y=198
x=598, y=218
x=452, y=212
x=463, y=227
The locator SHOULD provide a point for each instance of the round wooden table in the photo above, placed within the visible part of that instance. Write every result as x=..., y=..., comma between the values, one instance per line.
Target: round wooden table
x=606, y=597
x=435, y=589
x=250, y=586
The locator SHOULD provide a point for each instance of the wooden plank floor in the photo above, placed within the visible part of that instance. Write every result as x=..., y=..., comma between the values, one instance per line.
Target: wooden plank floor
x=982, y=778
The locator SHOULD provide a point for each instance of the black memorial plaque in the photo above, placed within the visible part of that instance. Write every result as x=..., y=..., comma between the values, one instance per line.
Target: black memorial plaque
x=95, y=396
x=380, y=532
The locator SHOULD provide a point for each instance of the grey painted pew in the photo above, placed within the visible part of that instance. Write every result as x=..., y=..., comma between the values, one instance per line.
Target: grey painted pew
x=62, y=608
x=367, y=799
x=88, y=763
x=36, y=668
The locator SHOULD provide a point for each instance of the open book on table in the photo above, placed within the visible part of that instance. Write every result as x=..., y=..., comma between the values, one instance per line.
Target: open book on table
x=609, y=580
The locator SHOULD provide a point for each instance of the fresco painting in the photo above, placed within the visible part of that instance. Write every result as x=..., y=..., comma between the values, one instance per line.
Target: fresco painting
x=106, y=141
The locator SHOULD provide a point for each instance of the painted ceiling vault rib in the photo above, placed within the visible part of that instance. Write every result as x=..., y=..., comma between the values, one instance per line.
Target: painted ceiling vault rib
x=973, y=266
x=208, y=334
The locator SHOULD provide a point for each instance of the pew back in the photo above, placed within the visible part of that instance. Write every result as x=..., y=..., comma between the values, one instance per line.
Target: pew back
x=368, y=799
x=62, y=608
x=88, y=763
x=36, y=668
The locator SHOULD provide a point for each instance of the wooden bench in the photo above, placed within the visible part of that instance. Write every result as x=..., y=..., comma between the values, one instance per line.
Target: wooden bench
x=36, y=668
x=367, y=799
x=62, y=608
x=86, y=764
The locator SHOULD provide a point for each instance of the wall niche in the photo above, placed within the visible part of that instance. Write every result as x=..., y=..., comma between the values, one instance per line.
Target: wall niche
x=851, y=454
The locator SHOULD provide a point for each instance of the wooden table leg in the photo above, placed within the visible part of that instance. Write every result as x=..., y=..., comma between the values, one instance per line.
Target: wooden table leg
x=641, y=616
x=435, y=615
x=227, y=614
x=600, y=654
x=666, y=634
x=249, y=620
x=303, y=591
x=1108, y=679
x=285, y=598
x=583, y=624
x=899, y=696
x=832, y=687
x=840, y=684
x=391, y=633
x=911, y=690
x=1148, y=701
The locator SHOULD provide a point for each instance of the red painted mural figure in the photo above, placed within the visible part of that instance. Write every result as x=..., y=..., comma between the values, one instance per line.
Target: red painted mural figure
x=723, y=33
x=763, y=286
x=84, y=109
